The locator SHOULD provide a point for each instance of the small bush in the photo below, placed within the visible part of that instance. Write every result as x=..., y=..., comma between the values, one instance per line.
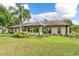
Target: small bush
x=20, y=34
x=40, y=36
x=74, y=34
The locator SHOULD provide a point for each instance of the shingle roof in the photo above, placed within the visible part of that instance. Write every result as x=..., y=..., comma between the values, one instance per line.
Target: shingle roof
x=55, y=22
x=46, y=23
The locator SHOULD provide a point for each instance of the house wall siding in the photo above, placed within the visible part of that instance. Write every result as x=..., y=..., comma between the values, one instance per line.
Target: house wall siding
x=14, y=30
x=54, y=30
x=63, y=30
x=68, y=30
x=1, y=31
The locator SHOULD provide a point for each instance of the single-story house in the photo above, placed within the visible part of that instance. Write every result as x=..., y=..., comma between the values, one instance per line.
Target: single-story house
x=54, y=27
x=3, y=29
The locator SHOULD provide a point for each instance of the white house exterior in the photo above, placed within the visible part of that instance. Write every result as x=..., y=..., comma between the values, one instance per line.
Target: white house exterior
x=3, y=29
x=55, y=27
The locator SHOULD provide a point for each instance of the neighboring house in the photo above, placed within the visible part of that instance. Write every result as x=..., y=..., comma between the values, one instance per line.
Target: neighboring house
x=54, y=27
x=3, y=29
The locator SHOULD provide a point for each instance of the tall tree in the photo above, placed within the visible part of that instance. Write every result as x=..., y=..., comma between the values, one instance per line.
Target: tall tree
x=20, y=13
x=69, y=21
x=5, y=17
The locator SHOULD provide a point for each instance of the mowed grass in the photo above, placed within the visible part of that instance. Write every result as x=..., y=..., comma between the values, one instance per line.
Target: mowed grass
x=39, y=46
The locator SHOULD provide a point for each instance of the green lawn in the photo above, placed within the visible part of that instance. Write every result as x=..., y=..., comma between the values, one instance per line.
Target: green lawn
x=42, y=46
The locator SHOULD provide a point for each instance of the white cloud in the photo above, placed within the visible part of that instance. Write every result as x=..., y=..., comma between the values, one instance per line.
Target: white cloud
x=49, y=16
x=45, y=16
x=66, y=9
x=26, y=6
x=8, y=3
x=62, y=10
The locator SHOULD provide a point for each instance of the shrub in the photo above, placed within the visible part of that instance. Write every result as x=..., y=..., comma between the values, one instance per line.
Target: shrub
x=74, y=33
x=20, y=34
x=40, y=36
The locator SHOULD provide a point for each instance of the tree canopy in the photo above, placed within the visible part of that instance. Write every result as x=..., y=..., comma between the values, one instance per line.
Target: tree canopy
x=20, y=13
x=5, y=17
x=69, y=21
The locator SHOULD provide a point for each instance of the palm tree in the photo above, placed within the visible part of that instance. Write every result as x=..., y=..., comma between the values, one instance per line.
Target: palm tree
x=20, y=14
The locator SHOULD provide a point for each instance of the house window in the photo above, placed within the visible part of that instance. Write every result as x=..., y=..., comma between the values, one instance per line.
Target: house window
x=59, y=30
x=29, y=29
x=49, y=30
x=23, y=29
x=45, y=30
x=36, y=30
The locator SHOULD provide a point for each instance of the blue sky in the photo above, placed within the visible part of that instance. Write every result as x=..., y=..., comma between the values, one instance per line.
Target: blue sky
x=37, y=8
x=76, y=18
x=50, y=8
